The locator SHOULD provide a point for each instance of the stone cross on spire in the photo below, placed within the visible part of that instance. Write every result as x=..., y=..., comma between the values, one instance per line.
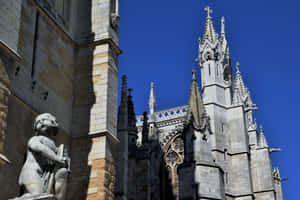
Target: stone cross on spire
x=208, y=10
x=209, y=33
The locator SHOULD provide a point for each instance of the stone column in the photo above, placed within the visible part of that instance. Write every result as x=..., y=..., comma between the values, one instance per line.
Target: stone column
x=94, y=122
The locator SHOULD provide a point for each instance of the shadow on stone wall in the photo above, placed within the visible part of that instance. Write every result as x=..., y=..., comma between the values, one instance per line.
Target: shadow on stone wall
x=84, y=99
x=186, y=171
x=154, y=178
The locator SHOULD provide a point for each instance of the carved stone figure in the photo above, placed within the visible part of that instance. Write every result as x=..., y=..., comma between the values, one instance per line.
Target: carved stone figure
x=46, y=168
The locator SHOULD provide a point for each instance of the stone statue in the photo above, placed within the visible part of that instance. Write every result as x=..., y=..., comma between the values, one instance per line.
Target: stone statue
x=46, y=168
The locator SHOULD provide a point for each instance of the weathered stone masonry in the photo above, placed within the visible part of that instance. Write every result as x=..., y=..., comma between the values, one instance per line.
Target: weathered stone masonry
x=61, y=57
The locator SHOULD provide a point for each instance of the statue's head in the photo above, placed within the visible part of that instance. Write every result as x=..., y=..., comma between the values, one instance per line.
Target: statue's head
x=45, y=124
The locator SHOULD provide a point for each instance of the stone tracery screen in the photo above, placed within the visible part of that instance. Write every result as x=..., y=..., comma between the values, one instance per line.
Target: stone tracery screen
x=174, y=155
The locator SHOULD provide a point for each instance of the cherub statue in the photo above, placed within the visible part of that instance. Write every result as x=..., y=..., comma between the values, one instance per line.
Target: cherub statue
x=46, y=168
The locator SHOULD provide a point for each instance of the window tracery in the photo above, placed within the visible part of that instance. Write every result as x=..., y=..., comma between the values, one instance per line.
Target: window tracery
x=174, y=156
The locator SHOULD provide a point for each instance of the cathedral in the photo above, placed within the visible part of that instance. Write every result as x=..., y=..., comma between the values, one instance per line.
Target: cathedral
x=61, y=57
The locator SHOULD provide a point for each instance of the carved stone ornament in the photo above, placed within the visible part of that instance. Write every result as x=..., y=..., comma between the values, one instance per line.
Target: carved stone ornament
x=47, y=167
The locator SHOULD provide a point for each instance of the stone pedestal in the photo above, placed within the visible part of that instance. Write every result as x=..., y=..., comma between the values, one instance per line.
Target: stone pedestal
x=40, y=197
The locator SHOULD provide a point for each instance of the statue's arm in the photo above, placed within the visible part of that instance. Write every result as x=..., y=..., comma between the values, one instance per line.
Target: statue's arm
x=36, y=145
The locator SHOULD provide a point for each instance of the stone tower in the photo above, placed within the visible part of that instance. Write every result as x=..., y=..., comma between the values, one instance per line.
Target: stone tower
x=244, y=159
x=210, y=148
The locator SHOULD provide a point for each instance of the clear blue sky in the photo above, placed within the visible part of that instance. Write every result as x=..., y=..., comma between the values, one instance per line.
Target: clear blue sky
x=159, y=43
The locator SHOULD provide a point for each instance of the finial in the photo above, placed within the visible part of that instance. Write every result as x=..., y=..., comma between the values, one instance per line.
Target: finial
x=223, y=26
x=208, y=10
x=199, y=40
x=255, y=124
x=263, y=141
x=237, y=67
x=124, y=78
x=129, y=92
x=261, y=129
x=223, y=19
x=152, y=101
x=194, y=75
x=124, y=84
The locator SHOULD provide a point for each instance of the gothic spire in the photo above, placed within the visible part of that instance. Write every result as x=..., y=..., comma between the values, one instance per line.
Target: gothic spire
x=123, y=107
x=152, y=102
x=223, y=40
x=132, y=130
x=209, y=33
x=276, y=174
x=262, y=139
x=196, y=107
x=239, y=80
x=239, y=85
x=131, y=114
x=145, y=129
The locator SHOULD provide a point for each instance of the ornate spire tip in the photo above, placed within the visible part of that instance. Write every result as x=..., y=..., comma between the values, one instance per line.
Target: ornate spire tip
x=237, y=67
x=152, y=85
x=129, y=91
x=261, y=129
x=124, y=84
x=208, y=10
x=194, y=75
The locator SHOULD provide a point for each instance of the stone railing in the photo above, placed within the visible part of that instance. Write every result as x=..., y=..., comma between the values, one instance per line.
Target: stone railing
x=164, y=115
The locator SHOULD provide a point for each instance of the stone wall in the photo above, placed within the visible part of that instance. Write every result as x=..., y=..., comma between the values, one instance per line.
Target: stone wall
x=43, y=77
x=93, y=169
x=10, y=13
x=94, y=117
